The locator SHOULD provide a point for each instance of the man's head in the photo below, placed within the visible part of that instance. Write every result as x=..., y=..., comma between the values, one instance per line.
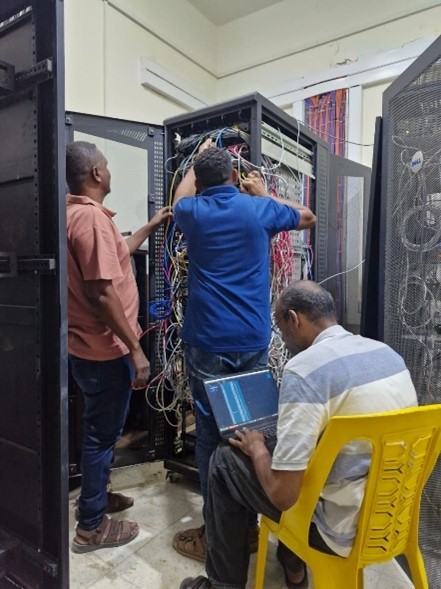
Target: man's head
x=213, y=167
x=303, y=310
x=86, y=170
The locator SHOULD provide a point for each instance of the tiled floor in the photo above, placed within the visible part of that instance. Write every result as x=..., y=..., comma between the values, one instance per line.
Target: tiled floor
x=149, y=562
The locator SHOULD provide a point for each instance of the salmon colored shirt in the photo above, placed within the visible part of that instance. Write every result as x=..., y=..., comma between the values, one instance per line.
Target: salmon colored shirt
x=96, y=250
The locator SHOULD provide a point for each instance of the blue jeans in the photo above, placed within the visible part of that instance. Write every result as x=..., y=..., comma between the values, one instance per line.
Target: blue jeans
x=106, y=386
x=200, y=365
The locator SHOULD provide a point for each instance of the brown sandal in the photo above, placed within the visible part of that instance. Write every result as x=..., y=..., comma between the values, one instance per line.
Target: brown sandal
x=118, y=502
x=191, y=543
x=115, y=502
x=108, y=534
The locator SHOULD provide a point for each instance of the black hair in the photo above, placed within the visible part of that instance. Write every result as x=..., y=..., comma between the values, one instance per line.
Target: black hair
x=81, y=157
x=309, y=298
x=212, y=167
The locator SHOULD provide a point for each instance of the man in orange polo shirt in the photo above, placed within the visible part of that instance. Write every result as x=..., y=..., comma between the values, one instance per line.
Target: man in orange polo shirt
x=105, y=355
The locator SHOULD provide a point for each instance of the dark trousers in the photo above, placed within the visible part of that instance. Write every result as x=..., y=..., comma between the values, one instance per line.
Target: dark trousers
x=106, y=387
x=234, y=491
x=199, y=366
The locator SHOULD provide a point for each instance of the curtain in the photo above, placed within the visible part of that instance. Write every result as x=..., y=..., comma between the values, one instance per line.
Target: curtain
x=326, y=116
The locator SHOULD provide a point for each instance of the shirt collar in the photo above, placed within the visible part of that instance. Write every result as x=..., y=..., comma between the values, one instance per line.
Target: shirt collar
x=85, y=200
x=330, y=332
x=221, y=189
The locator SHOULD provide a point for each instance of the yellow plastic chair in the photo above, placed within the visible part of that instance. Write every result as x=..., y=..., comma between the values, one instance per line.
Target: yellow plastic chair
x=405, y=447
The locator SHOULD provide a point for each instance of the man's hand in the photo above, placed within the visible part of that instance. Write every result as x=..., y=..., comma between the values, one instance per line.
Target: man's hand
x=187, y=186
x=205, y=145
x=253, y=185
x=248, y=440
x=161, y=216
x=142, y=368
x=135, y=240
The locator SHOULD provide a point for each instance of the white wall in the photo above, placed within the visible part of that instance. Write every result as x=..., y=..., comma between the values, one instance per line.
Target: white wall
x=105, y=41
x=313, y=54
x=84, y=49
x=293, y=26
x=372, y=108
x=269, y=51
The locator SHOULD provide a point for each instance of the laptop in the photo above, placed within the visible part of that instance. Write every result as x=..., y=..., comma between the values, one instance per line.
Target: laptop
x=246, y=399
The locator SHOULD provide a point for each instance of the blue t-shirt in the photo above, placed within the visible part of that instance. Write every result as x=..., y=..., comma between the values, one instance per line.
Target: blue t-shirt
x=228, y=241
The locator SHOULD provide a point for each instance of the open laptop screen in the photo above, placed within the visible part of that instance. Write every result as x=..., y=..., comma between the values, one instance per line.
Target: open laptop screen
x=242, y=398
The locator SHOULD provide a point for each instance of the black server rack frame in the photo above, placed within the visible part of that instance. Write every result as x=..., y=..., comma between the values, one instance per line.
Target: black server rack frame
x=34, y=549
x=159, y=441
x=370, y=309
x=250, y=113
x=411, y=106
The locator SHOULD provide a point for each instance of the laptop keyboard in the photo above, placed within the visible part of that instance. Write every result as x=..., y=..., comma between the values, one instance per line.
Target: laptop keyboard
x=269, y=431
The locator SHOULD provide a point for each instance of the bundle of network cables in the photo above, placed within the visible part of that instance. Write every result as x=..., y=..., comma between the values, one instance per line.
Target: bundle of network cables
x=289, y=260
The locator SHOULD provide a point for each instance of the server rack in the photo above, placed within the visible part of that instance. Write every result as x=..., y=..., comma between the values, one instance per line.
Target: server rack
x=409, y=262
x=33, y=361
x=328, y=184
x=255, y=114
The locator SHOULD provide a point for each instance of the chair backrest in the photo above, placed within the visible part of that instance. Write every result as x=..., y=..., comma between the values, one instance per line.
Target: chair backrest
x=405, y=446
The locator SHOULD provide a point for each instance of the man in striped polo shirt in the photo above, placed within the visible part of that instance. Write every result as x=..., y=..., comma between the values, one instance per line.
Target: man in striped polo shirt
x=332, y=372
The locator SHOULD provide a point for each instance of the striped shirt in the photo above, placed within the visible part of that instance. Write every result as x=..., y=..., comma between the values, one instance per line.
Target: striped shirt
x=340, y=374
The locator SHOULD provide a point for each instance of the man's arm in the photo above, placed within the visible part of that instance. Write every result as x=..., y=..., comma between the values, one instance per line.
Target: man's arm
x=135, y=240
x=282, y=487
x=187, y=186
x=108, y=309
x=254, y=186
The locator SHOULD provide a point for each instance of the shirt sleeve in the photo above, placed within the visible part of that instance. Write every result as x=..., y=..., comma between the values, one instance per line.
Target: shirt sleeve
x=276, y=216
x=181, y=211
x=302, y=418
x=96, y=253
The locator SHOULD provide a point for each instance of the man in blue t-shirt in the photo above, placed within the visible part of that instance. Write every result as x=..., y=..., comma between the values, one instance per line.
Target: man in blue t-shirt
x=227, y=322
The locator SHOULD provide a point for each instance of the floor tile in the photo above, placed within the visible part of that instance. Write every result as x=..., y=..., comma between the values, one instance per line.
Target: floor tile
x=112, y=581
x=162, y=509
x=157, y=565
x=86, y=569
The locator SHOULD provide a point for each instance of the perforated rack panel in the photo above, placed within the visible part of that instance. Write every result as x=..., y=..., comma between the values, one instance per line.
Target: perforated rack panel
x=411, y=201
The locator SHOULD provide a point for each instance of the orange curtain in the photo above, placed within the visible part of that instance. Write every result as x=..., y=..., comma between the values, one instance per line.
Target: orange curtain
x=326, y=116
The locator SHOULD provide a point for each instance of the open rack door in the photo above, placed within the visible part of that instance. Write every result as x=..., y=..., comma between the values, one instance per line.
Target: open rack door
x=135, y=152
x=410, y=253
x=370, y=309
x=33, y=319
x=347, y=214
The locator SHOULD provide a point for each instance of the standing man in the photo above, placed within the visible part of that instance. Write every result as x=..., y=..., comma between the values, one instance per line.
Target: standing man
x=227, y=322
x=105, y=355
x=332, y=373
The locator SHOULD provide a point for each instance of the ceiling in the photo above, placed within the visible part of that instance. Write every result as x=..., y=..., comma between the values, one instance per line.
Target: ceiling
x=224, y=11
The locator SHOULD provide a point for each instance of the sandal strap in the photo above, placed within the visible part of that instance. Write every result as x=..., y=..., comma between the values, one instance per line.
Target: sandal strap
x=110, y=531
x=114, y=531
x=192, y=534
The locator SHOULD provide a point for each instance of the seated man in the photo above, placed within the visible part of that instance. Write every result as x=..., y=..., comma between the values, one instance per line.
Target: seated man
x=332, y=373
